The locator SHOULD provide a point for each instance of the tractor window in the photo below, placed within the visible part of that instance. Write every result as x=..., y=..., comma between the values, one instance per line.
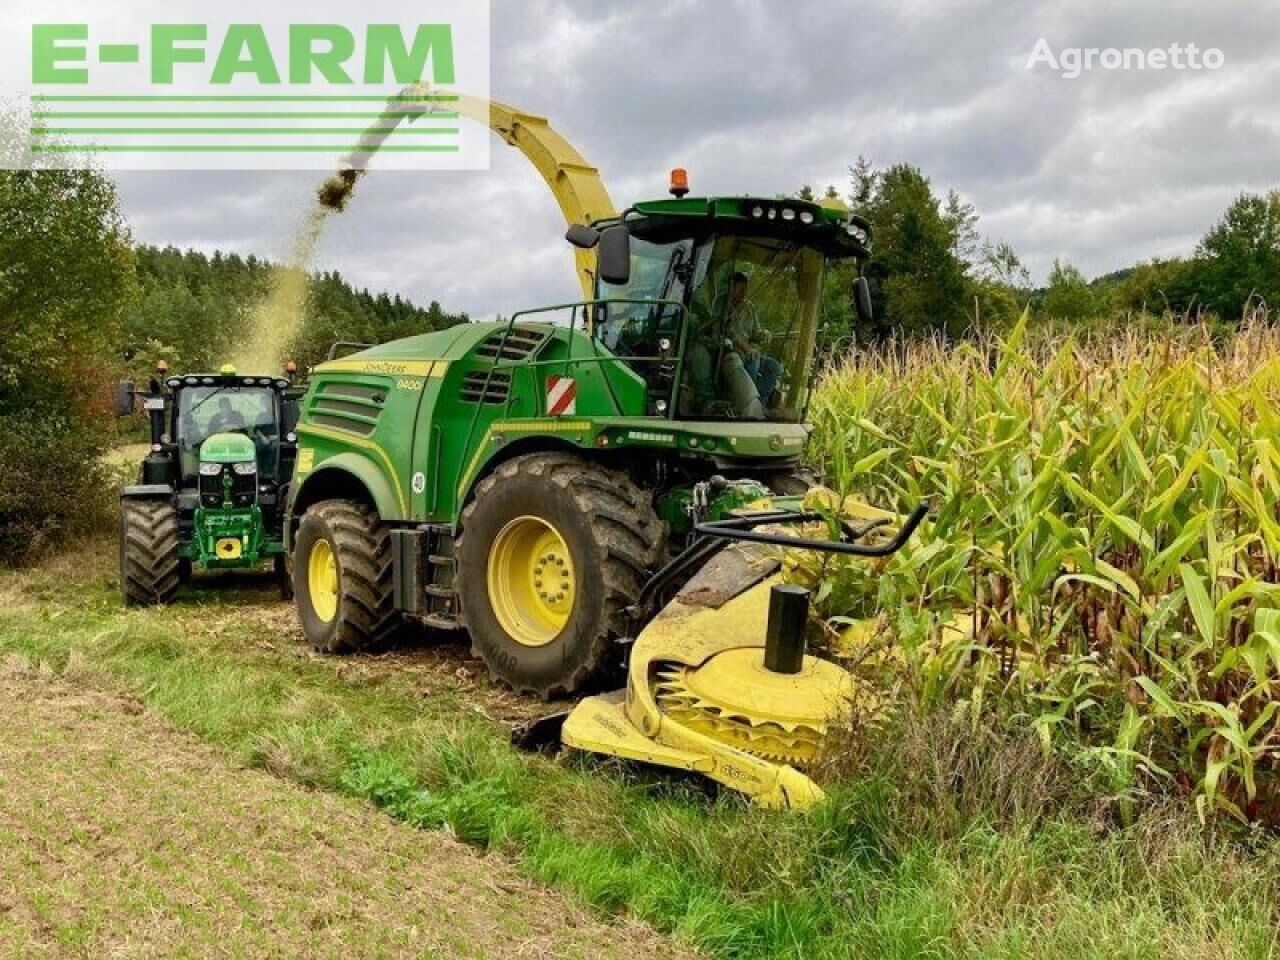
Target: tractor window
x=646, y=333
x=204, y=411
x=657, y=273
x=754, y=315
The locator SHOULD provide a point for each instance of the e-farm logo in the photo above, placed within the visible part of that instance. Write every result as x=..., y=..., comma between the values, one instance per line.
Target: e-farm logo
x=232, y=90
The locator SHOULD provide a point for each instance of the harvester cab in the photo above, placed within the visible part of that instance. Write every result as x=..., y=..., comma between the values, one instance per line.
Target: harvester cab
x=716, y=303
x=212, y=487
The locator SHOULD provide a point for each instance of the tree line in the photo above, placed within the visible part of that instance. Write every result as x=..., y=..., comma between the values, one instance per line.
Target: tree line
x=932, y=272
x=192, y=310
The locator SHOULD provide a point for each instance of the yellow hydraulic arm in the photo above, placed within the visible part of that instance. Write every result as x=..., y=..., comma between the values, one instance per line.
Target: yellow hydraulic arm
x=575, y=184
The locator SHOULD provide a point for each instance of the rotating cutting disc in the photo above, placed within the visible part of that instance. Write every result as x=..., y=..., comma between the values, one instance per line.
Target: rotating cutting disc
x=733, y=698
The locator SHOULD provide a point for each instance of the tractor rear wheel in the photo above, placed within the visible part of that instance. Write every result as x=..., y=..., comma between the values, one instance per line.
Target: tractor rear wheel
x=553, y=550
x=149, y=563
x=342, y=578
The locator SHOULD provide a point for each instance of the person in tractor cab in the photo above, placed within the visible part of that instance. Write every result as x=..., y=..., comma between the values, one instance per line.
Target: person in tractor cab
x=721, y=329
x=746, y=334
x=227, y=419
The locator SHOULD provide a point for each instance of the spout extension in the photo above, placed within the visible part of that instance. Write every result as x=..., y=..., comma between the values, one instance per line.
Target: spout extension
x=784, y=638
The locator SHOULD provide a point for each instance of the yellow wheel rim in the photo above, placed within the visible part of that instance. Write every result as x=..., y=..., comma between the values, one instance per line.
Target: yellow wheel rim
x=532, y=584
x=322, y=580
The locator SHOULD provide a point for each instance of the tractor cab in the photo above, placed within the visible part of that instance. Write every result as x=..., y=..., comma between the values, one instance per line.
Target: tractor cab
x=716, y=302
x=241, y=407
x=221, y=454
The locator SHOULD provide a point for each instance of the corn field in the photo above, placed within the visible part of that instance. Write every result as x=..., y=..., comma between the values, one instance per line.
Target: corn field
x=1102, y=559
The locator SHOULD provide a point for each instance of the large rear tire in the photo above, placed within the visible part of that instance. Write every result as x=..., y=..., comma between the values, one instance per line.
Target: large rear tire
x=553, y=550
x=342, y=578
x=149, y=563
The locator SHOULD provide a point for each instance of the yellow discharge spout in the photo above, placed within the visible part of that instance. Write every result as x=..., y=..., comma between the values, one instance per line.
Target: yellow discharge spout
x=574, y=183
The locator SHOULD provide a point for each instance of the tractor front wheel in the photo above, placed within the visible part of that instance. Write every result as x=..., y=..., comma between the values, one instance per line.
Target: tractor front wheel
x=342, y=578
x=149, y=565
x=553, y=550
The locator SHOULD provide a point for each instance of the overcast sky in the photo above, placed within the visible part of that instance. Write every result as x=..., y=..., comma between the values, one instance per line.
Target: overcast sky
x=762, y=96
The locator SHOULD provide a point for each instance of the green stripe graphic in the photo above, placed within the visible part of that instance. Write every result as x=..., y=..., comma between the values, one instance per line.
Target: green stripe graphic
x=222, y=115
x=230, y=131
x=235, y=98
x=237, y=148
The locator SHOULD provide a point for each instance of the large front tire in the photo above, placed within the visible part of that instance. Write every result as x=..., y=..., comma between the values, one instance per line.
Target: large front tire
x=342, y=578
x=553, y=550
x=149, y=563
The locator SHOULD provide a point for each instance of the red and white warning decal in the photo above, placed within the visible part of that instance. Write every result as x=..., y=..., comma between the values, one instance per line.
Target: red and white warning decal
x=562, y=397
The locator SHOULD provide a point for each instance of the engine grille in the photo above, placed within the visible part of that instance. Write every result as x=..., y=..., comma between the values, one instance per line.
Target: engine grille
x=244, y=488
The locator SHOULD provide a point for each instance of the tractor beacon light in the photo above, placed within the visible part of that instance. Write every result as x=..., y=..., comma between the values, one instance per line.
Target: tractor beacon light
x=679, y=182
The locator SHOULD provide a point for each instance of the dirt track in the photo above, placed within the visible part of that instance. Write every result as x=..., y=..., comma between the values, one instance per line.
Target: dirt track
x=122, y=837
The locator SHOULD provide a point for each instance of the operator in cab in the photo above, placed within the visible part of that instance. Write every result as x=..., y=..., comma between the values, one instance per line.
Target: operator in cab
x=227, y=419
x=727, y=362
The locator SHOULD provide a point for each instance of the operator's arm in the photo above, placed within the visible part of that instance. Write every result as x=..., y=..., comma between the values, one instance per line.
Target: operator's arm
x=746, y=330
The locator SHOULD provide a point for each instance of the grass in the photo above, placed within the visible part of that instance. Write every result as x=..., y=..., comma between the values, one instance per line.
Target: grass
x=905, y=861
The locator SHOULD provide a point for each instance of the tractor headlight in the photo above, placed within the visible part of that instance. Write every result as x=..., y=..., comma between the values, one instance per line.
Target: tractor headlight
x=245, y=469
x=210, y=469
x=856, y=232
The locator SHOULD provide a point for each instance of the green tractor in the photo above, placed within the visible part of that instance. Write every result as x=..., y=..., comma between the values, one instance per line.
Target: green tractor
x=540, y=482
x=212, y=488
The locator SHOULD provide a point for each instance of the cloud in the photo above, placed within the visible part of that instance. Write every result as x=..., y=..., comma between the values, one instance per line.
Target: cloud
x=755, y=96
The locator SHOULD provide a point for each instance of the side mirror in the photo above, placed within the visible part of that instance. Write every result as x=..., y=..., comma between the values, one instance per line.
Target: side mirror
x=289, y=418
x=582, y=236
x=124, y=398
x=862, y=300
x=613, y=257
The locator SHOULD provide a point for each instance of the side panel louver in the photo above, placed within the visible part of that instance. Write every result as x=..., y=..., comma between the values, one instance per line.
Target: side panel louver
x=353, y=407
x=520, y=343
x=485, y=387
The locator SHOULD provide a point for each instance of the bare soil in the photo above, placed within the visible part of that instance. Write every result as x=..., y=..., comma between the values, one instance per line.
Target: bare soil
x=122, y=837
x=420, y=662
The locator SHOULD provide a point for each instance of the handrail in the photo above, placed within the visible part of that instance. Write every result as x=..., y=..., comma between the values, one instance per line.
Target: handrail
x=742, y=528
x=681, y=312
x=574, y=305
